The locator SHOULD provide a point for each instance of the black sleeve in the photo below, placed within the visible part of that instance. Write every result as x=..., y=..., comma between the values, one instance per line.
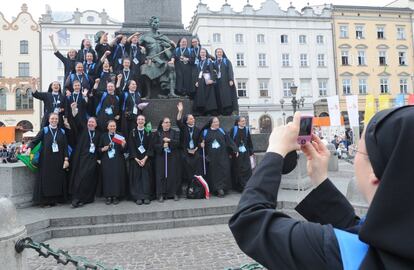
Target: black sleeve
x=274, y=239
x=231, y=73
x=132, y=146
x=175, y=140
x=37, y=139
x=63, y=59
x=326, y=205
x=40, y=95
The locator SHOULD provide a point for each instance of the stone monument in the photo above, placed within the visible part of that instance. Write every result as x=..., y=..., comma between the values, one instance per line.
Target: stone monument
x=138, y=12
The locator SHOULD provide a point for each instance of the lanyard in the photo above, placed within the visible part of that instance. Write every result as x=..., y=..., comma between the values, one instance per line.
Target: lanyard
x=123, y=50
x=53, y=134
x=56, y=98
x=91, y=136
x=110, y=140
x=125, y=76
x=182, y=51
x=77, y=97
x=191, y=132
x=141, y=137
x=134, y=51
x=197, y=51
x=80, y=79
x=133, y=98
x=202, y=65
x=219, y=61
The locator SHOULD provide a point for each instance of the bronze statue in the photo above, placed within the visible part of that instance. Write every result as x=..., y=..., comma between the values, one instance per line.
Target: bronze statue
x=158, y=66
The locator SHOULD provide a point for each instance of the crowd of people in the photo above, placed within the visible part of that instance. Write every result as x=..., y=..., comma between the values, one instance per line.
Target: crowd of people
x=96, y=142
x=9, y=152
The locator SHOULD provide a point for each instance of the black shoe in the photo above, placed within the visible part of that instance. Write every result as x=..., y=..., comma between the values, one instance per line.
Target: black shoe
x=146, y=201
x=161, y=199
x=220, y=193
x=108, y=201
x=115, y=201
x=80, y=204
x=176, y=198
x=139, y=202
x=75, y=204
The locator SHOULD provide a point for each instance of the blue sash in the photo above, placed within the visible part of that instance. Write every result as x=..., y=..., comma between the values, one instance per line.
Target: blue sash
x=352, y=249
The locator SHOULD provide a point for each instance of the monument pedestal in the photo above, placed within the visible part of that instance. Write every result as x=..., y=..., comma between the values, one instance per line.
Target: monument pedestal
x=298, y=179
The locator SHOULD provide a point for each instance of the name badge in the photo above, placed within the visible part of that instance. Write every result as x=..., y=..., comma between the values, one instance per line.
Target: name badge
x=120, y=61
x=168, y=150
x=219, y=75
x=92, y=148
x=215, y=145
x=191, y=144
x=242, y=149
x=196, y=62
x=136, y=61
x=56, y=110
x=58, y=102
x=55, y=147
x=200, y=75
x=141, y=149
x=109, y=111
x=135, y=110
x=111, y=153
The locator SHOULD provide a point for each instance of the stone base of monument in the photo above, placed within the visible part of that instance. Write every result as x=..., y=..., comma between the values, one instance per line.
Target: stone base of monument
x=17, y=183
x=10, y=233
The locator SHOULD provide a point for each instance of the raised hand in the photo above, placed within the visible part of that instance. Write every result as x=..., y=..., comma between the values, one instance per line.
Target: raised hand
x=180, y=106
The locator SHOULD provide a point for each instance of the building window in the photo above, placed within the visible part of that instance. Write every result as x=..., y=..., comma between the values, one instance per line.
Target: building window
x=359, y=32
x=264, y=88
x=240, y=59
x=321, y=60
x=3, y=98
x=63, y=37
x=384, y=86
x=239, y=38
x=322, y=85
x=345, y=58
x=260, y=38
x=402, y=58
x=286, y=88
x=343, y=31
x=1, y=70
x=262, y=60
x=319, y=39
x=24, y=99
x=361, y=58
x=305, y=87
x=285, y=60
x=382, y=58
x=284, y=39
x=303, y=60
x=24, y=47
x=346, y=86
x=380, y=32
x=24, y=70
x=403, y=86
x=362, y=86
x=242, y=88
x=265, y=124
x=216, y=37
x=400, y=32
x=302, y=39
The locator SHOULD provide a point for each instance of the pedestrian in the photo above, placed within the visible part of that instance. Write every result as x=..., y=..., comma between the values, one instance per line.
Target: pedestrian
x=334, y=237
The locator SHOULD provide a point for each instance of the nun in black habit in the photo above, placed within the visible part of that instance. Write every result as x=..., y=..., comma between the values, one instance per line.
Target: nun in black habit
x=84, y=174
x=205, y=102
x=167, y=161
x=242, y=169
x=334, y=237
x=225, y=86
x=51, y=185
x=218, y=149
x=183, y=68
x=129, y=101
x=140, y=170
x=113, y=165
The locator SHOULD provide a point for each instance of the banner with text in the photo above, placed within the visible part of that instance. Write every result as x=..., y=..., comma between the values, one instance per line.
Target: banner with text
x=334, y=111
x=353, y=112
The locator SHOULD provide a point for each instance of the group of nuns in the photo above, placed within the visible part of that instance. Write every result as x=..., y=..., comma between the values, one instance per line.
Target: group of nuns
x=83, y=153
x=207, y=80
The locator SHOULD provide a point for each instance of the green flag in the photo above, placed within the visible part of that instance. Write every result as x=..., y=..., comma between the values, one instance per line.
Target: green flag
x=32, y=159
x=148, y=127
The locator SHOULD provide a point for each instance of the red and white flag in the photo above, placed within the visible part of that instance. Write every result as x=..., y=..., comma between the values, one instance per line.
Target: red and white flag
x=205, y=185
x=118, y=139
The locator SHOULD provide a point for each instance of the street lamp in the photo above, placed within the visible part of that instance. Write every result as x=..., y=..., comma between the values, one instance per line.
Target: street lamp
x=296, y=104
x=282, y=102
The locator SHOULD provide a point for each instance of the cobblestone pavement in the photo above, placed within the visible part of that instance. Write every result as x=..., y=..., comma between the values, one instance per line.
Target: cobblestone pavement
x=216, y=250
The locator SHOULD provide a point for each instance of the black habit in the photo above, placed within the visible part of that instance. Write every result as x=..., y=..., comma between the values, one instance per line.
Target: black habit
x=242, y=169
x=205, y=97
x=226, y=94
x=183, y=71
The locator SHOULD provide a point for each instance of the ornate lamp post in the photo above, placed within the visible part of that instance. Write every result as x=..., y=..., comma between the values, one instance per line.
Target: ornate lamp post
x=296, y=104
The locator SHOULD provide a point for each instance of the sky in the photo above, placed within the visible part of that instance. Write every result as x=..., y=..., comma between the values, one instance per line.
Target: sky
x=37, y=7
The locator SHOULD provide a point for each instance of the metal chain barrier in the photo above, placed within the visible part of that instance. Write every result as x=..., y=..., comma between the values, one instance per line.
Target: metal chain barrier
x=61, y=256
x=252, y=266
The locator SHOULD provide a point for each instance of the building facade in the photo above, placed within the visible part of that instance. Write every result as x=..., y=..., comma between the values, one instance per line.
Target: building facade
x=69, y=29
x=19, y=61
x=374, y=52
x=272, y=49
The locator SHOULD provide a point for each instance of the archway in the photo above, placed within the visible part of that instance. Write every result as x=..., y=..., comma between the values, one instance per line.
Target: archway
x=265, y=124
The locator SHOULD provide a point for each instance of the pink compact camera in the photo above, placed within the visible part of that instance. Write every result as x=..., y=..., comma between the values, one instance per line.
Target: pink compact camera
x=305, y=133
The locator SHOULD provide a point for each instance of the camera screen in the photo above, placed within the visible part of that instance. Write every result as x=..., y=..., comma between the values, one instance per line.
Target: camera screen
x=305, y=126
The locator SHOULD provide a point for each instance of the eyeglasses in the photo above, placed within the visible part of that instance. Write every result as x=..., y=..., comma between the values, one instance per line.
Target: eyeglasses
x=352, y=150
